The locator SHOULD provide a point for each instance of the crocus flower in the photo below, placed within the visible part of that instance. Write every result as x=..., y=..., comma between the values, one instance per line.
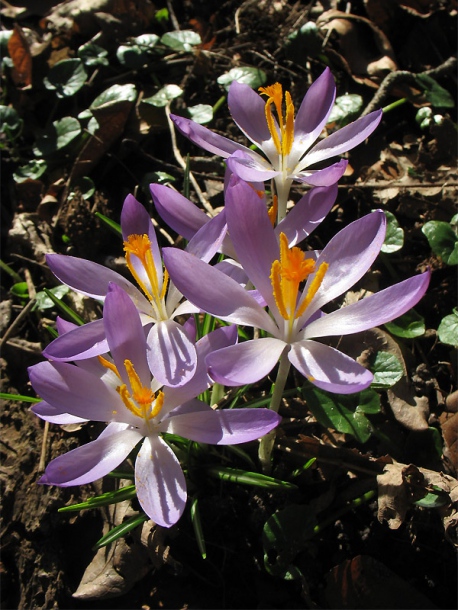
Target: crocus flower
x=287, y=141
x=172, y=356
x=137, y=409
x=294, y=320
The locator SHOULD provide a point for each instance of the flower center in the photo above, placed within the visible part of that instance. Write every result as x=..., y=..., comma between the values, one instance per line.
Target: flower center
x=286, y=276
x=283, y=139
x=139, y=246
x=141, y=400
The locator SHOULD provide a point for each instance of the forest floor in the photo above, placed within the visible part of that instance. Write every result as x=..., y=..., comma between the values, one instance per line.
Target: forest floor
x=374, y=548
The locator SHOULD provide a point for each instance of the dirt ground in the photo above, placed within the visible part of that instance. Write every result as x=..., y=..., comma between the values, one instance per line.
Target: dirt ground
x=355, y=560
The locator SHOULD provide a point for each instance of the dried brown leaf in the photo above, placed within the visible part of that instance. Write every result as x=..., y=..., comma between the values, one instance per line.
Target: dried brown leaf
x=409, y=410
x=364, y=582
x=400, y=485
x=19, y=50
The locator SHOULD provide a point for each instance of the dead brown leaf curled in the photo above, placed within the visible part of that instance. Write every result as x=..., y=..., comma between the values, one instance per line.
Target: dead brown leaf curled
x=400, y=485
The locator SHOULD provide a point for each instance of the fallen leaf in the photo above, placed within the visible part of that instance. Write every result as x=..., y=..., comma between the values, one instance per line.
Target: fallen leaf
x=409, y=410
x=364, y=582
x=20, y=54
x=400, y=485
x=365, y=51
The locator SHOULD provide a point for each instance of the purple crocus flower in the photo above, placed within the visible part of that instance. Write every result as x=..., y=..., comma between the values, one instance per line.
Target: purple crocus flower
x=294, y=319
x=137, y=409
x=172, y=356
x=287, y=141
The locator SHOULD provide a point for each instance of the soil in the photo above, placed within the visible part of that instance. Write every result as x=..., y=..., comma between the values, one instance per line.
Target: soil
x=354, y=560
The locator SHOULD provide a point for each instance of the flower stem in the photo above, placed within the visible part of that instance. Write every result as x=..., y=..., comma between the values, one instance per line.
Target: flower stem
x=267, y=441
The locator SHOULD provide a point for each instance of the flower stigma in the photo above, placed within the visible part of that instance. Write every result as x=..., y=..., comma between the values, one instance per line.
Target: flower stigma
x=140, y=247
x=142, y=401
x=284, y=141
x=286, y=276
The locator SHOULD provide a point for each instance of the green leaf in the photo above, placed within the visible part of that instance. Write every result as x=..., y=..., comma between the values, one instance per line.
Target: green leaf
x=254, y=479
x=346, y=109
x=43, y=301
x=164, y=96
x=20, y=290
x=197, y=526
x=57, y=137
x=109, y=97
x=93, y=55
x=32, y=171
x=387, y=370
x=110, y=497
x=139, y=52
x=201, y=113
x=161, y=16
x=254, y=77
x=66, y=77
x=21, y=397
x=436, y=95
x=304, y=43
x=442, y=240
x=394, y=238
x=120, y=530
x=113, y=95
x=10, y=122
x=448, y=329
x=65, y=309
x=147, y=41
x=285, y=534
x=86, y=186
x=182, y=40
x=111, y=224
x=407, y=326
x=344, y=413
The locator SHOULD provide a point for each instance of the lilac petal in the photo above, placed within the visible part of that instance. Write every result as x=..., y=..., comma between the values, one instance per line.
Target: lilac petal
x=171, y=356
x=323, y=177
x=248, y=111
x=206, y=139
x=329, y=369
x=214, y=292
x=135, y=220
x=228, y=427
x=245, y=362
x=251, y=167
x=307, y=214
x=125, y=334
x=92, y=461
x=183, y=216
x=54, y=415
x=314, y=110
x=64, y=326
x=373, y=310
x=345, y=139
x=349, y=254
x=218, y=339
x=252, y=236
x=160, y=482
x=75, y=391
x=208, y=239
x=92, y=279
x=78, y=344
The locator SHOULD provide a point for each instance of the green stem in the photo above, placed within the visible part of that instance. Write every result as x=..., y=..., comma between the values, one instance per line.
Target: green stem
x=395, y=104
x=267, y=441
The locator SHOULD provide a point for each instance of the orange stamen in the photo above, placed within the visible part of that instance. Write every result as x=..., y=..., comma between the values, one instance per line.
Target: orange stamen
x=313, y=288
x=286, y=276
